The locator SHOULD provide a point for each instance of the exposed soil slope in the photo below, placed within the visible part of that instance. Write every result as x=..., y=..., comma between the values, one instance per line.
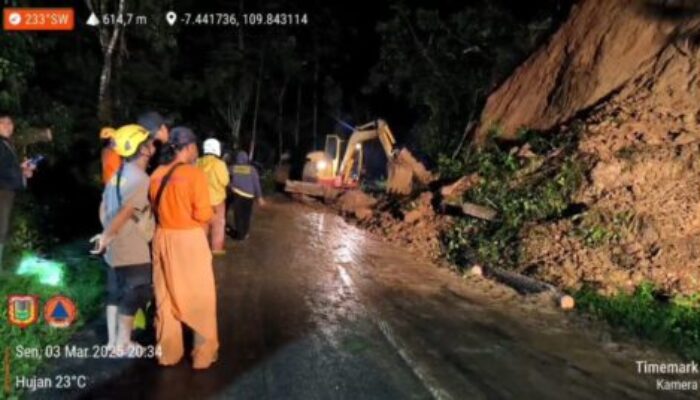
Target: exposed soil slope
x=606, y=48
x=629, y=71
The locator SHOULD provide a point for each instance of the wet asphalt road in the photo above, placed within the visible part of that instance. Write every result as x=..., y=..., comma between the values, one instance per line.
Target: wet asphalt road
x=313, y=308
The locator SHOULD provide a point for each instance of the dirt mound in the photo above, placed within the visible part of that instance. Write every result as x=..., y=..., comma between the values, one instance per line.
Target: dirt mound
x=626, y=74
x=356, y=203
x=643, y=200
x=411, y=223
x=354, y=200
x=604, y=48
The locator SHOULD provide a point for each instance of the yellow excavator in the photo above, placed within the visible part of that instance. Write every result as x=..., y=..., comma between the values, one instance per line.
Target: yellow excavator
x=327, y=169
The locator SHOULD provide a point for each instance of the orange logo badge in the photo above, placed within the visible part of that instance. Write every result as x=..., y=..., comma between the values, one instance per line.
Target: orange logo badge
x=22, y=310
x=60, y=312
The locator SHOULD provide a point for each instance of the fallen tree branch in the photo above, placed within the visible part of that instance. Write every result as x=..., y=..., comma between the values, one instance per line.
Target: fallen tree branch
x=477, y=211
x=526, y=285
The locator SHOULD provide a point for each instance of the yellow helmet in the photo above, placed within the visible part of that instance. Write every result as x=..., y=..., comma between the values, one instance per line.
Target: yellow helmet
x=107, y=132
x=128, y=138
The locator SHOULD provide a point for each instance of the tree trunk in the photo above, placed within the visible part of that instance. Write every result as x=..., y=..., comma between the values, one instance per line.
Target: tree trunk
x=234, y=110
x=241, y=35
x=104, y=106
x=254, y=134
x=605, y=49
x=314, y=129
x=297, y=122
x=280, y=118
x=108, y=42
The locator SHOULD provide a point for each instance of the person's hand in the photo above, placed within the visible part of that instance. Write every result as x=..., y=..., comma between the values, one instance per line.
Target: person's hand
x=28, y=168
x=262, y=202
x=101, y=241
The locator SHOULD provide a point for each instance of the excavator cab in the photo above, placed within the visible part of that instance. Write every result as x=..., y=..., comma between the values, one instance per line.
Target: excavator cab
x=324, y=166
x=337, y=149
x=334, y=148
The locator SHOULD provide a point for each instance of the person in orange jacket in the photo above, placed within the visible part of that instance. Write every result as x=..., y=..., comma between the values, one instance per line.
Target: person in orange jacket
x=183, y=276
x=110, y=159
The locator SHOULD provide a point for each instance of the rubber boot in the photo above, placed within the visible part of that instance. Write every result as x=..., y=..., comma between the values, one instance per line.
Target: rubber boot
x=124, y=328
x=111, y=325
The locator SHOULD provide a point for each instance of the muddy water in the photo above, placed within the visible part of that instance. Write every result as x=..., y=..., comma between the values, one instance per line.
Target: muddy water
x=313, y=308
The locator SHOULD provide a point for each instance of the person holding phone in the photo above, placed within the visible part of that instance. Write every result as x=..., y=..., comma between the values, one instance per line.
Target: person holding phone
x=13, y=176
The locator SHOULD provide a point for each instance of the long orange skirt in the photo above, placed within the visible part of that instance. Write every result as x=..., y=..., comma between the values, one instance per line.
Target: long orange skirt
x=183, y=280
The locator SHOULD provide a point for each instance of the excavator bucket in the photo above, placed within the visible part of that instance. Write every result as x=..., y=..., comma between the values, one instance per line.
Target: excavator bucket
x=400, y=180
x=403, y=168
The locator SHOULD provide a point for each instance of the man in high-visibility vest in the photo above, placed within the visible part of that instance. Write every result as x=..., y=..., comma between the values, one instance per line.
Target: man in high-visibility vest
x=245, y=185
x=218, y=179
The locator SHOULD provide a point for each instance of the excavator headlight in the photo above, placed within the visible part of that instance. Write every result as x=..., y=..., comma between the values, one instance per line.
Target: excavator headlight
x=321, y=165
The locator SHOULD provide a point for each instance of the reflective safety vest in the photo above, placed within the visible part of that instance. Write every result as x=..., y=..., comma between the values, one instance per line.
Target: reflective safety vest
x=245, y=170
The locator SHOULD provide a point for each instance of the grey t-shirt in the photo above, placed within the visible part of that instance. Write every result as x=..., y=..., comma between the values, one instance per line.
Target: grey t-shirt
x=132, y=244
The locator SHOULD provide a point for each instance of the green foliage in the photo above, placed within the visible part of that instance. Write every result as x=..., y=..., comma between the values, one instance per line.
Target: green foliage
x=448, y=167
x=26, y=229
x=596, y=235
x=675, y=324
x=520, y=195
x=596, y=228
x=16, y=64
x=83, y=284
x=267, y=182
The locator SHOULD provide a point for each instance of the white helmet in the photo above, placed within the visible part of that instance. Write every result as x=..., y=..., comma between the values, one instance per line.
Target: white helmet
x=212, y=146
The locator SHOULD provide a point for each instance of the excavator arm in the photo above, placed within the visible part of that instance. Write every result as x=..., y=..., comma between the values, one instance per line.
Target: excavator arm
x=377, y=129
x=402, y=167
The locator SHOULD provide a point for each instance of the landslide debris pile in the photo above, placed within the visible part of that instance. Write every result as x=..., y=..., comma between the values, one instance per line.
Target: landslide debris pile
x=643, y=204
x=410, y=222
x=618, y=206
x=627, y=72
x=611, y=208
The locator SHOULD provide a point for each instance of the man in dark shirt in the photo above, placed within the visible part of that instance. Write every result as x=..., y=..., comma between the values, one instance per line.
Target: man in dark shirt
x=13, y=176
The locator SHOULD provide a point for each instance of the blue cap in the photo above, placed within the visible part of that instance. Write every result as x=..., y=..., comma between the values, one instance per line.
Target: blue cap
x=181, y=136
x=152, y=121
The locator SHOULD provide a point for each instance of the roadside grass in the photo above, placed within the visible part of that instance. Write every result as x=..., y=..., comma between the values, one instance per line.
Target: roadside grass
x=82, y=281
x=674, y=324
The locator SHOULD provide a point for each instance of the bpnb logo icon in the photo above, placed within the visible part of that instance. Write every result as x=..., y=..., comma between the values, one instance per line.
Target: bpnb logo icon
x=60, y=312
x=23, y=310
